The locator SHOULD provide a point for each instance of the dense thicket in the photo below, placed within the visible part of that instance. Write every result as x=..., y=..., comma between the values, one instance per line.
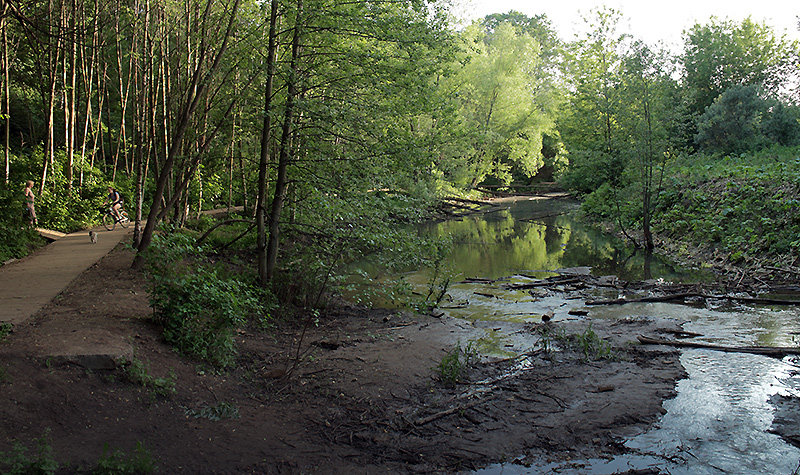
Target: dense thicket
x=332, y=122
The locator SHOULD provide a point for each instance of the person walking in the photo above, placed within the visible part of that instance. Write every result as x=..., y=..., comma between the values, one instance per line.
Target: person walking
x=30, y=198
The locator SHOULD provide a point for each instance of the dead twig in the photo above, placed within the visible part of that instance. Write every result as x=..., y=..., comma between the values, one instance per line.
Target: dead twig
x=461, y=407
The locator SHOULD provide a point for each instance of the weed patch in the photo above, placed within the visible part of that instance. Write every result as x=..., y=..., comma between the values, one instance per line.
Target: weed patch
x=19, y=460
x=5, y=330
x=222, y=410
x=455, y=363
x=137, y=372
x=118, y=463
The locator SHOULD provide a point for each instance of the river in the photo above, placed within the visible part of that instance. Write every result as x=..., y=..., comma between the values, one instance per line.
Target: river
x=720, y=420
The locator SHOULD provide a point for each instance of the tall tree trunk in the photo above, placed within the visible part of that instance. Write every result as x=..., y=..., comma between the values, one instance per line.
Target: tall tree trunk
x=284, y=153
x=6, y=90
x=261, y=239
x=195, y=92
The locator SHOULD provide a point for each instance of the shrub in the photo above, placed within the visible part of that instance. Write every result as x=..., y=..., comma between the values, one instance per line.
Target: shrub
x=137, y=372
x=455, y=363
x=198, y=306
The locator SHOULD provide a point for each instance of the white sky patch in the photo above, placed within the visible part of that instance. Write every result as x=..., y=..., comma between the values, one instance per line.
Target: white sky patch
x=649, y=21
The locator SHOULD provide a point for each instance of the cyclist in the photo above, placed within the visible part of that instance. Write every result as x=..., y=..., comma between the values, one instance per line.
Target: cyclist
x=115, y=201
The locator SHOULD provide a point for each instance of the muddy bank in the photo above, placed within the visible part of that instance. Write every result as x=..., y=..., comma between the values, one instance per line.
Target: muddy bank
x=363, y=396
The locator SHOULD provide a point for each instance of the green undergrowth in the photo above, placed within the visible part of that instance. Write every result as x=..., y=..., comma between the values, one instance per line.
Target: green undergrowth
x=138, y=372
x=117, y=462
x=200, y=303
x=39, y=458
x=587, y=342
x=746, y=205
x=453, y=366
x=22, y=459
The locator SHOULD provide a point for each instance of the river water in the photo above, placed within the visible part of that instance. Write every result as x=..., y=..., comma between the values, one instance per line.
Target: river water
x=720, y=419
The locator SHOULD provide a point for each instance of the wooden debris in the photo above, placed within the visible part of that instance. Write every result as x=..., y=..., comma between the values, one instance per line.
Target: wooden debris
x=451, y=410
x=683, y=296
x=777, y=352
x=482, y=294
x=578, y=312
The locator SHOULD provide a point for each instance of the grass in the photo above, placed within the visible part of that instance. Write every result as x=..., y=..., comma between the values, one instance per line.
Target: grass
x=222, y=410
x=5, y=330
x=137, y=372
x=21, y=460
x=455, y=363
x=118, y=463
x=589, y=343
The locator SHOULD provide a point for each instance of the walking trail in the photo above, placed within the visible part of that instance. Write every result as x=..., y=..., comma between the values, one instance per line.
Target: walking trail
x=29, y=284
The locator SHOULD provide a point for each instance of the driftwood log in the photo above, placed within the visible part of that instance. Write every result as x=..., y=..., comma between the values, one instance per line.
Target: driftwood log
x=682, y=296
x=777, y=352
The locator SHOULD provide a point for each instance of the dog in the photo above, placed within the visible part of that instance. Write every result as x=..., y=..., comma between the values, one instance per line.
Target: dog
x=93, y=237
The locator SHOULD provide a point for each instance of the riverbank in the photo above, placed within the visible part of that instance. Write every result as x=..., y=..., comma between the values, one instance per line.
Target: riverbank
x=359, y=392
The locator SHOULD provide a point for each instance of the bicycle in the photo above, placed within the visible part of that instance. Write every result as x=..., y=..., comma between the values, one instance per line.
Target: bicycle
x=110, y=221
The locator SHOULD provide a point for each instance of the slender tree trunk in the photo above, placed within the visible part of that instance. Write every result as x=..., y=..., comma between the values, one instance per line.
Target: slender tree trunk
x=6, y=90
x=195, y=92
x=263, y=164
x=284, y=158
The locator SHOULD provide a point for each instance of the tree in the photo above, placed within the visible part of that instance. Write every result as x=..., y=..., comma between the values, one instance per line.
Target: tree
x=647, y=90
x=590, y=125
x=723, y=53
x=201, y=64
x=740, y=120
x=506, y=100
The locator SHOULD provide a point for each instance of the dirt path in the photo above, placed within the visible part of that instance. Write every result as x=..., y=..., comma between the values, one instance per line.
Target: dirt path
x=30, y=284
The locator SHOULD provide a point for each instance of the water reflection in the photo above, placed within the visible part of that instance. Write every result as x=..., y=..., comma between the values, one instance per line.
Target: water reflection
x=513, y=240
x=719, y=421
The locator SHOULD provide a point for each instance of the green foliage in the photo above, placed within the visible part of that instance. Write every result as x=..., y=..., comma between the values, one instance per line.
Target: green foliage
x=19, y=239
x=5, y=330
x=591, y=345
x=198, y=306
x=455, y=363
x=588, y=342
x=137, y=372
x=118, y=463
x=747, y=205
x=506, y=99
x=19, y=461
x=722, y=53
x=740, y=121
x=219, y=411
x=350, y=227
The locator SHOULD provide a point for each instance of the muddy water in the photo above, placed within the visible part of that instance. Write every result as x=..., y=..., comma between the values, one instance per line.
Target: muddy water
x=720, y=419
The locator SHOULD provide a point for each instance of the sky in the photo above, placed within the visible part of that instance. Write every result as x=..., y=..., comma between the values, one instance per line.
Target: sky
x=651, y=21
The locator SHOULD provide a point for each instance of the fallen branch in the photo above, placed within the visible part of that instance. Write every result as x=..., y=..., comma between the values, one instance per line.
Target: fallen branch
x=447, y=412
x=681, y=296
x=776, y=352
x=546, y=283
x=663, y=298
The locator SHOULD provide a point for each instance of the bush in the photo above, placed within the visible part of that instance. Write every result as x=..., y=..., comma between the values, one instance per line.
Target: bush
x=747, y=205
x=198, y=307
